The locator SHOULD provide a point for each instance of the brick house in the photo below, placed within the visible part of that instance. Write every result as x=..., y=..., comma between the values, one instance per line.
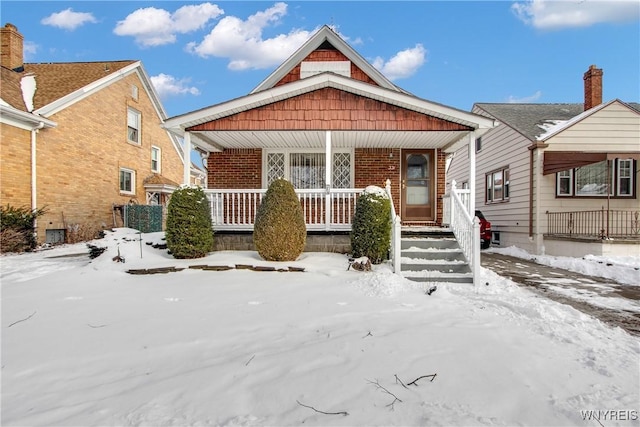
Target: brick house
x=80, y=138
x=332, y=124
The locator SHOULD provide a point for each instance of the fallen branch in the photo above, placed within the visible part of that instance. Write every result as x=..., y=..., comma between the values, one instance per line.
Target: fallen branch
x=395, y=398
x=369, y=334
x=398, y=380
x=344, y=413
x=249, y=361
x=22, y=320
x=433, y=377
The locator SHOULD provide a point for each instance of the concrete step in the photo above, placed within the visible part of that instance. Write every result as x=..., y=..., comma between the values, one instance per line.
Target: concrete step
x=428, y=243
x=447, y=278
x=433, y=258
x=434, y=254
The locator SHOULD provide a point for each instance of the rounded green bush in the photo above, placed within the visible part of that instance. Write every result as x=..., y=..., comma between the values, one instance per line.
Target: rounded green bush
x=280, y=232
x=189, y=233
x=371, y=228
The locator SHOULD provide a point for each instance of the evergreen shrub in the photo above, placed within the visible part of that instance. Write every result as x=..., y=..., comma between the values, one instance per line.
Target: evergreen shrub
x=189, y=233
x=280, y=232
x=17, y=228
x=371, y=227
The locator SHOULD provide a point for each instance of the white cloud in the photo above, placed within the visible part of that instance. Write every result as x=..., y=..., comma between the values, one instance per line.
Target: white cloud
x=167, y=85
x=151, y=26
x=29, y=49
x=68, y=19
x=404, y=64
x=525, y=99
x=557, y=14
x=242, y=41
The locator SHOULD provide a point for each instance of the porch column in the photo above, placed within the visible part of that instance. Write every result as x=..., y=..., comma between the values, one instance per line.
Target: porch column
x=472, y=173
x=187, y=159
x=328, y=165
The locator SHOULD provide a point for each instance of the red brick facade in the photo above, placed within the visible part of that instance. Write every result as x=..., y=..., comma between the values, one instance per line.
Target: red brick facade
x=235, y=169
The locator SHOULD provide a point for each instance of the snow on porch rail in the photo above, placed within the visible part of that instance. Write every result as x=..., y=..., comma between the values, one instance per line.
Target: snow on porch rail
x=323, y=210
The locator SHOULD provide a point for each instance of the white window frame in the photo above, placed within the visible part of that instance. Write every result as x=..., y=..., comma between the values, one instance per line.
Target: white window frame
x=155, y=149
x=559, y=177
x=490, y=188
x=287, y=166
x=132, y=180
x=619, y=177
x=138, y=115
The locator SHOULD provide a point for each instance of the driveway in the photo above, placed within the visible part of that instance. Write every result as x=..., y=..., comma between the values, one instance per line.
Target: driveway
x=611, y=302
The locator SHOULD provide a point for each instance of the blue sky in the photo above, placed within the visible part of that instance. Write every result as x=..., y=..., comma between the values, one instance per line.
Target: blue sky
x=452, y=52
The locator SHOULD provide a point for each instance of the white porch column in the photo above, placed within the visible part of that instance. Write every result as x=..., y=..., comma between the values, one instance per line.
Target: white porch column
x=187, y=159
x=472, y=174
x=328, y=165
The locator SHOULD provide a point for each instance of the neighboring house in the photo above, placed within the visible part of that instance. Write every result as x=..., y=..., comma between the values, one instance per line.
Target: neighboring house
x=332, y=124
x=81, y=140
x=560, y=179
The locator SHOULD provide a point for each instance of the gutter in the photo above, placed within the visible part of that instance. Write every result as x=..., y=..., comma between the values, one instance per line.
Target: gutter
x=34, y=200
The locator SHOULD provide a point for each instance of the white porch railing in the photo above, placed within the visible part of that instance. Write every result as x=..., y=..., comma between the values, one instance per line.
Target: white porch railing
x=323, y=210
x=465, y=227
x=396, y=232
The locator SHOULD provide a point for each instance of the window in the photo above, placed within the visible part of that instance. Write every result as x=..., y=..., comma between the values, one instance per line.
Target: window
x=307, y=170
x=625, y=168
x=497, y=185
x=134, y=92
x=478, y=144
x=155, y=159
x=127, y=181
x=133, y=126
x=565, y=183
x=602, y=179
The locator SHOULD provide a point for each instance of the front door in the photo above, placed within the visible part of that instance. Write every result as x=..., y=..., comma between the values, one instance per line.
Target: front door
x=417, y=195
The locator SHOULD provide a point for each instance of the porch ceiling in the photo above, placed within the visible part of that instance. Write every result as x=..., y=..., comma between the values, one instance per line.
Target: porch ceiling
x=221, y=140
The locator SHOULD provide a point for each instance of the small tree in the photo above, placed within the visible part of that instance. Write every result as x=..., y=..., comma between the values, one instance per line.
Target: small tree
x=280, y=232
x=17, y=228
x=371, y=228
x=189, y=232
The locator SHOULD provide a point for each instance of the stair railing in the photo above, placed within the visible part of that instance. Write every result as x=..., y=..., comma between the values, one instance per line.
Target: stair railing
x=396, y=232
x=466, y=228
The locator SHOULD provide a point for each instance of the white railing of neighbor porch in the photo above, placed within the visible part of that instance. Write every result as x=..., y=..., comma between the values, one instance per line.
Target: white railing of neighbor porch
x=323, y=210
x=396, y=232
x=465, y=227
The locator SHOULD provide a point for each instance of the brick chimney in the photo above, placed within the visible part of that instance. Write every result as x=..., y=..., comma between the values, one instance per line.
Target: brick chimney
x=592, y=87
x=11, y=49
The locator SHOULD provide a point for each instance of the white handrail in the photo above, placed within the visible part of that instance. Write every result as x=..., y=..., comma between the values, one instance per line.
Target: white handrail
x=396, y=232
x=466, y=229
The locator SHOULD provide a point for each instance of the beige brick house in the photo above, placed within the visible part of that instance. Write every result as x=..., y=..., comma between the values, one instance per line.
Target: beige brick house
x=81, y=138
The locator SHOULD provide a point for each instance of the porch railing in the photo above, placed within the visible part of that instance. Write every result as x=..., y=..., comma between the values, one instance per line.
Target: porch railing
x=330, y=210
x=465, y=227
x=600, y=224
x=396, y=232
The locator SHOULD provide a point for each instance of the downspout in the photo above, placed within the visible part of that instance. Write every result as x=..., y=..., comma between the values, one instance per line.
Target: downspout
x=34, y=198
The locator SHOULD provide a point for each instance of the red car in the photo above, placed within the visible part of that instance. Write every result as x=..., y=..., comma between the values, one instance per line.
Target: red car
x=485, y=231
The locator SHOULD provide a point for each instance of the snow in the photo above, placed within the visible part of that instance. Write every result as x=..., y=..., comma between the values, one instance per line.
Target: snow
x=622, y=269
x=86, y=343
x=378, y=191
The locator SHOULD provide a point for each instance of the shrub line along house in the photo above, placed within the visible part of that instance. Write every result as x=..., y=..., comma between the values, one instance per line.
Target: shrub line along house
x=79, y=138
x=560, y=179
x=332, y=124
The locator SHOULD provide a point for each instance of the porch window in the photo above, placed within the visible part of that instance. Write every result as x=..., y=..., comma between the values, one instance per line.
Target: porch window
x=133, y=126
x=127, y=181
x=497, y=185
x=307, y=170
x=155, y=159
x=602, y=179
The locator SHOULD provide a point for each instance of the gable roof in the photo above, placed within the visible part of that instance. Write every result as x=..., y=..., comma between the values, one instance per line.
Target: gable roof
x=325, y=35
x=10, y=91
x=551, y=132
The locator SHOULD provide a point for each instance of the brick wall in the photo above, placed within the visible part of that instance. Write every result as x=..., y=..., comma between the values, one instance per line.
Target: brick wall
x=373, y=166
x=15, y=166
x=441, y=159
x=78, y=161
x=235, y=169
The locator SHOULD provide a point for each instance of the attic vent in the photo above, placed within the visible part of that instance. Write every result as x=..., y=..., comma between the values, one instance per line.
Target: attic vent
x=327, y=46
x=311, y=68
x=134, y=92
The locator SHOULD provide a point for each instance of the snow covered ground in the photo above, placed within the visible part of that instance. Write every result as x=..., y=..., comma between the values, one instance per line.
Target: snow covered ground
x=85, y=343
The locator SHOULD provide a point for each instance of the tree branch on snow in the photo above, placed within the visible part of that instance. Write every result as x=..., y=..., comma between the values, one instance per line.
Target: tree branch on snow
x=369, y=334
x=249, y=361
x=381, y=387
x=433, y=377
x=398, y=380
x=22, y=320
x=344, y=413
